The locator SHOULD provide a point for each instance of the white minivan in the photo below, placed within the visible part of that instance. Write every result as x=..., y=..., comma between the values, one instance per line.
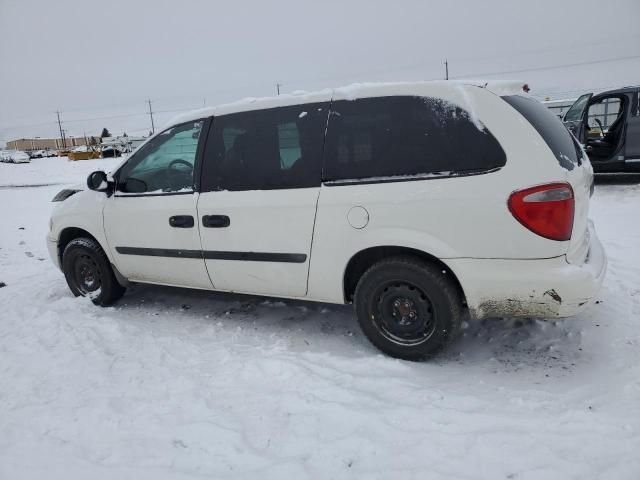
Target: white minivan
x=419, y=202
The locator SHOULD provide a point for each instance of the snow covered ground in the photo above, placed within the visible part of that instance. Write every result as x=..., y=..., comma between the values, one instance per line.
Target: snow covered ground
x=180, y=384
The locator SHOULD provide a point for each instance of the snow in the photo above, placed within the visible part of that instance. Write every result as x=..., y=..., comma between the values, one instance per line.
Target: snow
x=470, y=108
x=499, y=87
x=180, y=384
x=53, y=171
x=347, y=92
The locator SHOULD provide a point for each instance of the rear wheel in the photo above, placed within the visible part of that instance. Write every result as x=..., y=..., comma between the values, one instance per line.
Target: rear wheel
x=408, y=308
x=89, y=273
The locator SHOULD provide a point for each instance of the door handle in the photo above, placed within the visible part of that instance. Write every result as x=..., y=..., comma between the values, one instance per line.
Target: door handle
x=181, y=221
x=215, y=221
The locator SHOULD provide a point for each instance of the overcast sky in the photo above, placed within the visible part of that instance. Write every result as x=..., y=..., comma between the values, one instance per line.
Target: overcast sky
x=93, y=59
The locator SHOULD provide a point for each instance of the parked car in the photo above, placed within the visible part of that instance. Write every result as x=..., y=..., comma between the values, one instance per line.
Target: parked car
x=609, y=126
x=110, y=152
x=36, y=153
x=50, y=153
x=418, y=202
x=14, y=156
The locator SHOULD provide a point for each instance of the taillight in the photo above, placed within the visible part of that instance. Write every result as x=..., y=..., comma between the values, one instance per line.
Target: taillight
x=546, y=210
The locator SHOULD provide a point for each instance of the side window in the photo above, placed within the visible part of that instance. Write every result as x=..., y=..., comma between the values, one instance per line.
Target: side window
x=603, y=113
x=165, y=164
x=266, y=149
x=391, y=136
x=576, y=110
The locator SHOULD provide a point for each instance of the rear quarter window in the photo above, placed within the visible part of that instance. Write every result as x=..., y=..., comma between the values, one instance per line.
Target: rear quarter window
x=561, y=142
x=386, y=137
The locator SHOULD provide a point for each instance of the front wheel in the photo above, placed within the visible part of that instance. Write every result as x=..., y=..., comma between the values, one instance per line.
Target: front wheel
x=408, y=308
x=89, y=273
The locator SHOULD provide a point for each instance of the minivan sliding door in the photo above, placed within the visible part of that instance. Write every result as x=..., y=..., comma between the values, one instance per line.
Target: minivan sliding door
x=259, y=190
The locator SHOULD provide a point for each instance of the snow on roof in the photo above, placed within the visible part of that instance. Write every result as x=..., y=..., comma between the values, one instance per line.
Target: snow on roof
x=350, y=92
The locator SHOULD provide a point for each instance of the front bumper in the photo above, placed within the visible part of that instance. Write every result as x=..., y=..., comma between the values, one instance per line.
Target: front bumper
x=544, y=288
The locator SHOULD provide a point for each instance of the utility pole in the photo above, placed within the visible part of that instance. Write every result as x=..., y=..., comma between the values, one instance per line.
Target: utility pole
x=446, y=69
x=278, y=85
x=64, y=145
x=153, y=128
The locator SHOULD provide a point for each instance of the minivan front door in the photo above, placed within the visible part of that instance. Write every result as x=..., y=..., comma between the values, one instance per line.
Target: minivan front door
x=573, y=119
x=150, y=220
x=257, y=207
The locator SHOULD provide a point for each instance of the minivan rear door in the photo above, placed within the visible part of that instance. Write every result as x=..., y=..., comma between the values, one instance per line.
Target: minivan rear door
x=581, y=180
x=573, y=119
x=571, y=158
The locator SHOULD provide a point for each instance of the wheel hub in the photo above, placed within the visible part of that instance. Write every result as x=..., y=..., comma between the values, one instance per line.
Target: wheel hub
x=87, y=274
x=404, y=314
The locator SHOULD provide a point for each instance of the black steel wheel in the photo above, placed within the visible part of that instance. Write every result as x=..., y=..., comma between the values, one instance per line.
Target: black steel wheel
x=86, y=274
x=89, y=273
x=408, y=308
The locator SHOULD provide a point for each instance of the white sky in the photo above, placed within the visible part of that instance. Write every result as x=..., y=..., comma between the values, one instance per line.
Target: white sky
x=93, y=59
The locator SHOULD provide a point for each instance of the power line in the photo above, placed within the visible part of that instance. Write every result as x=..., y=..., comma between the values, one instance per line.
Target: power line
x=551, y=67
x=278, y=85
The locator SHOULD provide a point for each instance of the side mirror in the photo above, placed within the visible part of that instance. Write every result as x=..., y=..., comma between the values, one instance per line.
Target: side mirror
x=97, y=181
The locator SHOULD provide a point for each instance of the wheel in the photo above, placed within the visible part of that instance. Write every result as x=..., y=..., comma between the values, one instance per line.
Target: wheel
x=408, y=308
x=89, y=273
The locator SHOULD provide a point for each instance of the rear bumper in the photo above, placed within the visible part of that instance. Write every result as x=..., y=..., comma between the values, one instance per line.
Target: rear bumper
x=544, y=288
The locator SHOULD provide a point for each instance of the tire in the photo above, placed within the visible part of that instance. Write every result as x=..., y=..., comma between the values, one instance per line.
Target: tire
x=408, y=308
x=89, y=273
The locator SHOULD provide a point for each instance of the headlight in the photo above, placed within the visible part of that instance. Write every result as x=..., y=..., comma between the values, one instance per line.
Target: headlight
x=64, y=194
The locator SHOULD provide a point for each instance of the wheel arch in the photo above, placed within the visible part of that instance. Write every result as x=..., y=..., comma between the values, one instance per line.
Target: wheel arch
x=71, y=233
x=360, y=262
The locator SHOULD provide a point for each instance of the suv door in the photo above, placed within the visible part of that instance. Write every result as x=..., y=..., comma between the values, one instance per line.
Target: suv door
x=260, y=186
x=149, y=221
x=573, y=119
x=632, y=147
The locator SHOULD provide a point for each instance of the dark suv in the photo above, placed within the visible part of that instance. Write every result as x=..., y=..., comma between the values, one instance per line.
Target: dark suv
x=608, y=124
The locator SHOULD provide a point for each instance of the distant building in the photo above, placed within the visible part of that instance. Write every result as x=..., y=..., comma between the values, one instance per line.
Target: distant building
x=29, y=144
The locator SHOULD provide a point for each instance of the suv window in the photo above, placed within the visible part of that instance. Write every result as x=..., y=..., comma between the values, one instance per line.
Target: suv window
x=164, y=164
x=576, y=110
x=266, y=149
x=392, y=136
x=556, y=135
x=603, y=113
